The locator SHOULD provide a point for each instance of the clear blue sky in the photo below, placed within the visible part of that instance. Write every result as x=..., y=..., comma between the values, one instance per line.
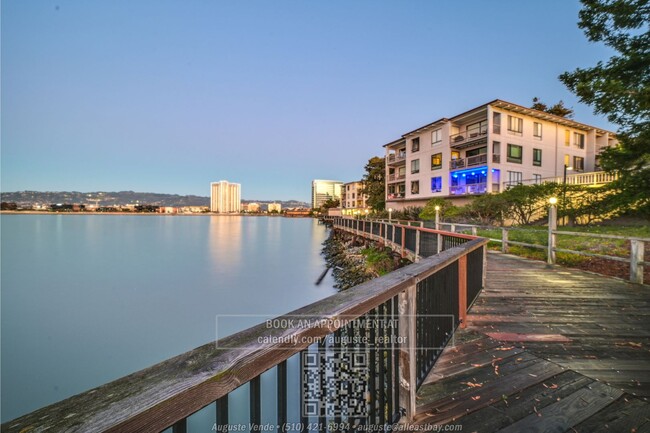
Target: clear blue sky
x=167, y=96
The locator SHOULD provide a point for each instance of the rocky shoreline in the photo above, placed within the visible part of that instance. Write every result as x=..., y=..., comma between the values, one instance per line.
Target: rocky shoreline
x=355, y=260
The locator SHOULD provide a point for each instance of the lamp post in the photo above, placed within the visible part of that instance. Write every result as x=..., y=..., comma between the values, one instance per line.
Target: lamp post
x=552, y=226
x=437, y=217
x=566, y=168
x=390, y=214
x=367, y=213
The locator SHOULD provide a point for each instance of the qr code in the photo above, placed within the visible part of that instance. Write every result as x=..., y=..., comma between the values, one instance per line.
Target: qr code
x=335, y=384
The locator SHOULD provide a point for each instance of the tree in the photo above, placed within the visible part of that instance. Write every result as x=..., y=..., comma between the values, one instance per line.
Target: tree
x=620, y=89
x=558, y=109
x=487, y=209
x=374, y=183
x=528, y=202
x=447, y=209
x=329, y=204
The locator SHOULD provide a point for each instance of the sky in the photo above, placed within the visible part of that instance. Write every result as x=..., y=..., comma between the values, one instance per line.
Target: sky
x=168, y=96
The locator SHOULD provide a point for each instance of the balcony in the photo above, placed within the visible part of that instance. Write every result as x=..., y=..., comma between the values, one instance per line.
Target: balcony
x=396, y=196
x=469, y=138
x=396, y=158
x=470, y=161
x=475, y=188
x=396, y=177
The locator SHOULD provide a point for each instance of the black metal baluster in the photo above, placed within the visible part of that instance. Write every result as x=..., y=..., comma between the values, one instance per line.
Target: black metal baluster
x=222, y=414
x=255, y=401
x=282, y=394
x=180, y=426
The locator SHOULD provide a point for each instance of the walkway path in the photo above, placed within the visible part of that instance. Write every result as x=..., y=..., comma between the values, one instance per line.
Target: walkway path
x=546, y=349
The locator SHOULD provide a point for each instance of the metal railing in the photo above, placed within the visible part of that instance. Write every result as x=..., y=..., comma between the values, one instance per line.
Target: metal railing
x=396, y=177
x=396, y=157
x=465, y=137
x=398, y=356
x=475, y=188
x=470, y=161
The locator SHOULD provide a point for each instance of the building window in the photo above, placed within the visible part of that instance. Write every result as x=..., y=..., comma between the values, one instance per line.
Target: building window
x=514, y=178
x=415, y=144
x=537, y=179
x=514, y=153
x=496, y=152
x=436, y=184
x=415, y=166
x=478, y=128
x=415, y=187
x=515, y=124
x=436, y=136
x=579, y=140
x=567, y=137
x=537, y=130
x=537, y=157
x=567, y=161
x=496, y=123
x=436, y=161
x=455, y=155
x=578, y=163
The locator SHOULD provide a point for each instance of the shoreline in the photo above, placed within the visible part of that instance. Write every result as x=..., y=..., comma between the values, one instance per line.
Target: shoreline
x=35, y=212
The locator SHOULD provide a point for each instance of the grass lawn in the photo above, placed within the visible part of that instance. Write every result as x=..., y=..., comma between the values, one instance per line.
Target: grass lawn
x=539, y=236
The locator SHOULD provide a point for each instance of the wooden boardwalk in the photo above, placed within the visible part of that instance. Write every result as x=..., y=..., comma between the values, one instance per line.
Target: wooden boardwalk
x=546, y=349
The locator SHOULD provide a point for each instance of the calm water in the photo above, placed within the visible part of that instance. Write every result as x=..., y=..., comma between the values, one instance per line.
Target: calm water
x=88, y=299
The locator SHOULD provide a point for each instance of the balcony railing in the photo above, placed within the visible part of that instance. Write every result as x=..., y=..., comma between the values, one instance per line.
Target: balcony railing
x=396, y=157
x=396, y=177
x=591, y=178
x=395, y=196
x=464, y=138
x=475, y=188
x=468, y=162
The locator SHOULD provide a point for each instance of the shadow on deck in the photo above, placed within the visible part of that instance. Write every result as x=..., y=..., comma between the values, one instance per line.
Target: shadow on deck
x=546, y=349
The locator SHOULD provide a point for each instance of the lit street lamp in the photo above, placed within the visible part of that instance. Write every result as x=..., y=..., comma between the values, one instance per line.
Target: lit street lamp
x=566, y=168
x=390, y=214
x=437, y=217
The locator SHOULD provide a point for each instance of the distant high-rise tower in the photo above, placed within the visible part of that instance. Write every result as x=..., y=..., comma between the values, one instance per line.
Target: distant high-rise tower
x=323, y=190
x=225, y=197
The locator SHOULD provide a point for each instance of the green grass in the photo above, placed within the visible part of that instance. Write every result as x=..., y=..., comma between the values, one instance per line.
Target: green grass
x=379, y=261
x=539, y=236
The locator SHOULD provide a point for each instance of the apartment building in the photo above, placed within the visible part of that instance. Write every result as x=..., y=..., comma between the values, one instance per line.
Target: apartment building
x=225, y=197
x=323, y=190
x=485, y=150
x=352, y=199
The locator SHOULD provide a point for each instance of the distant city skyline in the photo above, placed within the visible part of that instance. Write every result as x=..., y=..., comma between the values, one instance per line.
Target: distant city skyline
x=163, y=97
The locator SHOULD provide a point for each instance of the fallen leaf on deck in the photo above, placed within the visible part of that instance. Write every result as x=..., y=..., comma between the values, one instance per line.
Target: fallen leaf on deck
x=505, y=348
x=476, y=397
x=477, y=365
x=472, y=384
x=535, y=409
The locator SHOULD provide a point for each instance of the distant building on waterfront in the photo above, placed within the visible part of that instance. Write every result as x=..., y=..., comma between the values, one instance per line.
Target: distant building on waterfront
x=274, y=207
x=352, y=200
x=323, y=190
x=252, y=207
x=225, y=197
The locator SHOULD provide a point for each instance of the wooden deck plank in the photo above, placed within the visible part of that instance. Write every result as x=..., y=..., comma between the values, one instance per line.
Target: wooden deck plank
x=598, y=328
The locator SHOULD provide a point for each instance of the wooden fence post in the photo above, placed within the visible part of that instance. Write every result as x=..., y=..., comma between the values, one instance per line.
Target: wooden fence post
x=417, y=245
x=636, y=259
x=504, y=240
x=474, y=230
x=552, y=227
x=462, y=291
x=439, y=243
x=407, y=359
x=403, y=240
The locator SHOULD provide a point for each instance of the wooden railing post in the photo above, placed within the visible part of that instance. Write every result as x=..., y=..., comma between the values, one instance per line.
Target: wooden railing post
x=636, y=259
x=552, y=226
x=504, y=240
x=462, y=291
x=439, y=243
x=407, y=351
x=474, y=231
x=403, y=240
x=417, y=245
x=453, y=228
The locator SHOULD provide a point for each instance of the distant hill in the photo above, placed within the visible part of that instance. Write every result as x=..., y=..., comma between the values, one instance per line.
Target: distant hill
x=104, y=198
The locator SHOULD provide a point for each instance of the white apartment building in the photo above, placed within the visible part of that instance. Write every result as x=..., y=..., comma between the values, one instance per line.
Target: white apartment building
x=485, y=150
x=323, y=190
x=274, y=207
x=352, y=199
x=225, y=197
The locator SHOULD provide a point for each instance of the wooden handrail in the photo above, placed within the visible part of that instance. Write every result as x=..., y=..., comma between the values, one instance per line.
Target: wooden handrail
x=159, y=396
